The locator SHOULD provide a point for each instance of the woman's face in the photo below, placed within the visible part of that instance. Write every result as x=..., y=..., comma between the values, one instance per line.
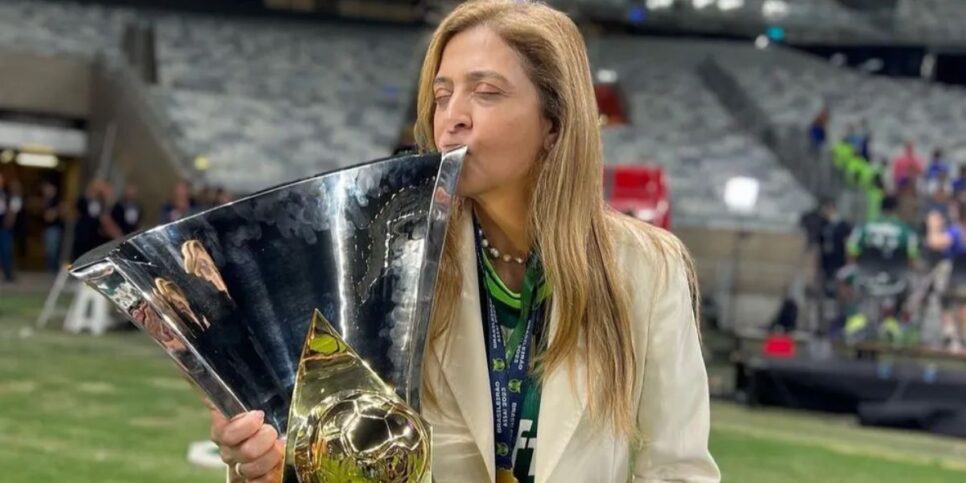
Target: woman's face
x=485, y=100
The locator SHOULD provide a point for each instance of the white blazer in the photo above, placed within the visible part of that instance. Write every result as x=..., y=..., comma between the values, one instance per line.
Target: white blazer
x=672, y=392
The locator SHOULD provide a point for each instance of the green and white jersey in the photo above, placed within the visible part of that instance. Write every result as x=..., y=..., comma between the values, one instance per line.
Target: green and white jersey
x=889, y=236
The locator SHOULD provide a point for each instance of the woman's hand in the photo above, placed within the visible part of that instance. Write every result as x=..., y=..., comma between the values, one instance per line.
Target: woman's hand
x=249, y=447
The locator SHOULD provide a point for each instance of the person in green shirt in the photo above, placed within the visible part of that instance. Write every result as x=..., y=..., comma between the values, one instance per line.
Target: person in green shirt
x=874, y=194
x=866, y=173
x=887, y=237
x=883, y=250
x=855, y=167
x=842, y=152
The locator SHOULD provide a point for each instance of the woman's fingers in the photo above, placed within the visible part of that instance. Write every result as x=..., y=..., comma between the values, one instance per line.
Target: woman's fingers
x=273, y=476
x=263, y=465
x=248, y=445
x=239, y=429
x=258, y=445
x=252, y=448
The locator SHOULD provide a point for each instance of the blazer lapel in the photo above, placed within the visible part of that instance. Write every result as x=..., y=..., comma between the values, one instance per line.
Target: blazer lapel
x=562, y=404
x=463, y=360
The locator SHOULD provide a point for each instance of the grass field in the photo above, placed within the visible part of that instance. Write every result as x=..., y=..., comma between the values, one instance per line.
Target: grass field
x=109, y=409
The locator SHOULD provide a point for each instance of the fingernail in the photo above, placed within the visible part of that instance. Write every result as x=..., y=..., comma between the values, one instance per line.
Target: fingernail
x=261, y=415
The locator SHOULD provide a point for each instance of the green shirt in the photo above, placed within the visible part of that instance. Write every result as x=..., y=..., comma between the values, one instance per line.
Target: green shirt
x=866, y=175
x=842, y=152
x=508, y=308
x=854, y=167
x=873, y=203
x=889, y=235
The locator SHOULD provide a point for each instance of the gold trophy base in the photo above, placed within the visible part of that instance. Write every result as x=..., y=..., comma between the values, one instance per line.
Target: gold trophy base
x=362, y=432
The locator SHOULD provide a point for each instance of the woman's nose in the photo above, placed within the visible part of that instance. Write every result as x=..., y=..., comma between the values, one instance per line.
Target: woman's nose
x=457, y=115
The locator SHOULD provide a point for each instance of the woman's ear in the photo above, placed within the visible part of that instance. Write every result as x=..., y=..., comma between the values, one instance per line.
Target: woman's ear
x=550, y=139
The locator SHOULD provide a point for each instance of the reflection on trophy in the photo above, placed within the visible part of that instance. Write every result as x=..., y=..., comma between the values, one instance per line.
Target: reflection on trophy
x=309, y=301
x=198, y=262
x=170, y=293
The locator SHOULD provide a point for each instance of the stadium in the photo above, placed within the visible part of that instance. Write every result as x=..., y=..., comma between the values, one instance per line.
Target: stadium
x=810, y=154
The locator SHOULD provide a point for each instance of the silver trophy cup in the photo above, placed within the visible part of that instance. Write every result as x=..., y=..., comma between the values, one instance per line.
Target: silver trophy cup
x=309, y=301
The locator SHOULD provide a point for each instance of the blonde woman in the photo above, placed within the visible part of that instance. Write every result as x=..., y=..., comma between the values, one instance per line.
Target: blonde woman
x=586, y=320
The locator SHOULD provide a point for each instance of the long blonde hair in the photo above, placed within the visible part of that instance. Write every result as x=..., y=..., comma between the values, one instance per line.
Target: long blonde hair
x=568, y=222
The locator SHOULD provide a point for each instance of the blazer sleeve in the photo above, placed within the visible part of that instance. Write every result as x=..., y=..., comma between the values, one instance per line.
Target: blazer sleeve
x=673, y=414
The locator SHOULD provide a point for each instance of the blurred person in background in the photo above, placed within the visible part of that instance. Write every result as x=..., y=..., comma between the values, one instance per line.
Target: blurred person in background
x=53, y=222
x=222, y=196
x=811, y=222
x=939, y=198
x=887, y=234
x=855, y=166
x=937, y=166
x=854, y=137
x=817, y=131
x=830, y=255
x=869, y=174
x=180, y=205
x=906, y=166
x=884, y=251
x=874, y=190
x=832, y=240
x=842, y=153
x=910, y=204
x=959, y=182
x=941, y=181
x=87, y=212
x=207, y=198
x=943, y=236
x=947, y=237
x=16, y=217
x=108, y=229
x=94, y=225
x=6, y=232
x=869, y=170
x=126, y=213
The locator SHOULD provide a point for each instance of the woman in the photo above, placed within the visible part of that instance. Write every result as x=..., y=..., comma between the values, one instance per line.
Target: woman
x=617, y=390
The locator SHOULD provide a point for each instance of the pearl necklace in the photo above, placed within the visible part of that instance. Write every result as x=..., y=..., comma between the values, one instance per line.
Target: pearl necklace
x=495, y=254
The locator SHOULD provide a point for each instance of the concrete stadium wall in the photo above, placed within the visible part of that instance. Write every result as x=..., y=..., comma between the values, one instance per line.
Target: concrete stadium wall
x=126, y=129
x=44, y=84
x=767, y=265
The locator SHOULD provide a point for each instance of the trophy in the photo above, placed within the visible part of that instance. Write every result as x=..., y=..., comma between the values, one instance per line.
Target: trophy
x=309, y=301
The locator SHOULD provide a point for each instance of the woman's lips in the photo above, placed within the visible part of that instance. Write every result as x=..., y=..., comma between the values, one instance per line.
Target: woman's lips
x=450, y=147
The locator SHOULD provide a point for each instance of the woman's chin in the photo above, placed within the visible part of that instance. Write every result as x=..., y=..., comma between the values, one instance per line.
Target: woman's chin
x=462, y=192
x=467, y=186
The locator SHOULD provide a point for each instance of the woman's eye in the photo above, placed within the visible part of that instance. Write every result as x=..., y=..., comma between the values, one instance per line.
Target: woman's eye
x=487, y=94
x=441, y=98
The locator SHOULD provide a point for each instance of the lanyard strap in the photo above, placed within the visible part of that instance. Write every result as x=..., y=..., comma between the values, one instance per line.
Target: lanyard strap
x=509, y=363
x=508, y=381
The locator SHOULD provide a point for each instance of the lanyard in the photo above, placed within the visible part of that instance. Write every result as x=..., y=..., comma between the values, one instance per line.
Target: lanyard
x=508, y=365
